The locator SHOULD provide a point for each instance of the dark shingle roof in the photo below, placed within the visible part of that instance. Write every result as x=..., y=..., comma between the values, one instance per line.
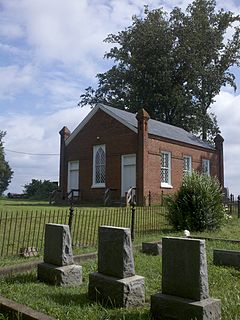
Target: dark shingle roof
x=158, y=128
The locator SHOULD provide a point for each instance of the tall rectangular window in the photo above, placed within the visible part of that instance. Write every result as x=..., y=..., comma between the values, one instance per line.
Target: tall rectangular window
x=99, y=166
x=187, y=165
x=206, y=167
x=165, y=169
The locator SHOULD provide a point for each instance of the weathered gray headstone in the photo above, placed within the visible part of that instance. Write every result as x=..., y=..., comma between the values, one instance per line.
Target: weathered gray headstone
x=115, y=282
x=184, y=268
x=152, y=248
x=230, y=258
x=58, y=267
x=58, y=247
x=185, y=293
x=115, y=255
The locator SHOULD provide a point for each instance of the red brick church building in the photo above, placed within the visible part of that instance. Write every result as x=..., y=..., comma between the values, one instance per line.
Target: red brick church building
x=115, y=150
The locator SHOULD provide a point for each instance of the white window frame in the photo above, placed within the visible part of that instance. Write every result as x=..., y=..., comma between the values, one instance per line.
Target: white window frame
x=169, y=168
x=187, y=170
x=207, y=162
x=95, y=150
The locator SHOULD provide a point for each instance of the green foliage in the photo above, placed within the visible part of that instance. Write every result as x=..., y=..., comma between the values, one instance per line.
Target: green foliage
x=38, y=189
x=197, y=206
x=201, y=34
x=6, y=172
x=172, y=65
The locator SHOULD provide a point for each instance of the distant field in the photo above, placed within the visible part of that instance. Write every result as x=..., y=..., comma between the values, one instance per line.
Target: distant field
x=22, y=223
x=25, y=204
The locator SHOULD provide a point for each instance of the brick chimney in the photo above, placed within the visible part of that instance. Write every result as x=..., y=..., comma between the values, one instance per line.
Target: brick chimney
x=219, y=147
x=64, y=134
x=142, y=156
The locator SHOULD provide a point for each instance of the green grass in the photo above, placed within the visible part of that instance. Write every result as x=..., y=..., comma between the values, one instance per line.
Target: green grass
x=22, y=223
x=31, y=217
x=72, y=302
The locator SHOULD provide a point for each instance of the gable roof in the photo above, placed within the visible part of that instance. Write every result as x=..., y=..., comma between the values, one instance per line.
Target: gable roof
x=155, y=127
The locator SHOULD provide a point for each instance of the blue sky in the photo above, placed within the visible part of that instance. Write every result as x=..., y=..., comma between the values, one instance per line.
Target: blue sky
x=50, y=51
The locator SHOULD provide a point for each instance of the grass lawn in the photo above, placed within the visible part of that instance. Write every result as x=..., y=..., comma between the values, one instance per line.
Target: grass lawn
x=72, y=302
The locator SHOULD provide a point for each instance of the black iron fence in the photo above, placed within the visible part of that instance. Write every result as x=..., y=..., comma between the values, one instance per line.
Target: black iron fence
x=23, y=231
x=233, y=204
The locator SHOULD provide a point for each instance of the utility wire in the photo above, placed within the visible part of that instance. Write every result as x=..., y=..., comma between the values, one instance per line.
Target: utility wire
x=32, y=154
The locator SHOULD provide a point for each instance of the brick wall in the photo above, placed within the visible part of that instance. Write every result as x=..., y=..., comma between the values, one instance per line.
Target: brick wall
x=119, y=140
x=177, y=153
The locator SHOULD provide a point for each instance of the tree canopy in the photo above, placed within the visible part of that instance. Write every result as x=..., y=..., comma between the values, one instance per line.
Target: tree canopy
x=6, y=172
x=173, y=65
x=38, y=189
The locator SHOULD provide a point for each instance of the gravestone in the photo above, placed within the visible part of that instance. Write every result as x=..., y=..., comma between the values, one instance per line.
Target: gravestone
x=185, y=293
x=115, y=282
x=58, y=267
x=229, y=258
x=152, y=248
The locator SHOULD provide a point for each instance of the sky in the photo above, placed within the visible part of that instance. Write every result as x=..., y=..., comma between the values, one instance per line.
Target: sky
x=50, y=51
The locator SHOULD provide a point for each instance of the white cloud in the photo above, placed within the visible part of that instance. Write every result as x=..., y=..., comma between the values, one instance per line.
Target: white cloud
x=36, y=135
x=11, y=49
x=71, y=32
x=227, y=110
x=62, y=89
x=10, y=30
x=14, y=78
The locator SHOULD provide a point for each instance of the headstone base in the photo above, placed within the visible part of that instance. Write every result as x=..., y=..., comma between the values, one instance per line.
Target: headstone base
x=167, y=307
x=60, y=276
x=117, y=292
x=152, y=248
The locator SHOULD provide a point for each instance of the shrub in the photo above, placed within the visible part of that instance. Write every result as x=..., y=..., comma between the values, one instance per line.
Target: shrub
x=197, y=206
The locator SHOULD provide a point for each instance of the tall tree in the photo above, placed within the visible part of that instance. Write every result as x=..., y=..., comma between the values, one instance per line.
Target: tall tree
x=172, y=65
x=206, y=55
x=5, y=170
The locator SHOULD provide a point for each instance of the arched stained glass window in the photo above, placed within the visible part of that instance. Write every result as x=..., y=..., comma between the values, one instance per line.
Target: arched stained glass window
x=99, y=165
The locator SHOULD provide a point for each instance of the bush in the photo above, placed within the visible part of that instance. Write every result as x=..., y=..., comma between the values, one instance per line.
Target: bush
x=197, y=206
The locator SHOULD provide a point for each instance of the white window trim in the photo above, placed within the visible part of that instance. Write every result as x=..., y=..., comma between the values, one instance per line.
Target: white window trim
x=208, y=173
x=186, y=171
x=94, y=184
x=167, y=185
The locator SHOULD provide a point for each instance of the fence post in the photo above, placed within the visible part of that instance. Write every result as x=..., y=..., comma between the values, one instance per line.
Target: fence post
x=149, y=198
x=133, y=208
x=70, y=219
x=238, y=198
x=231, y=202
